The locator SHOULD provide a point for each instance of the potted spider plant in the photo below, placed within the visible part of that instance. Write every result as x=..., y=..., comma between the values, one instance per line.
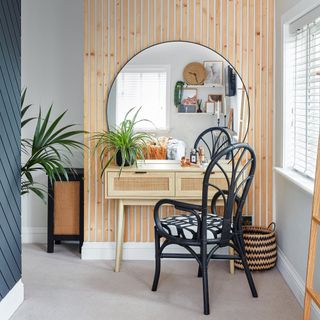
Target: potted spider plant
x=48, y=150
x=123, y=144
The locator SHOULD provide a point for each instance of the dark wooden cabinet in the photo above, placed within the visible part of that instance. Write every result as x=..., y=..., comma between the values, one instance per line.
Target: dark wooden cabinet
x=65, y=209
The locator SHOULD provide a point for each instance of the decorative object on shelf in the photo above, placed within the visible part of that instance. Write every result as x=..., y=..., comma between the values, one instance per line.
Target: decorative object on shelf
x=194, y=73
x=185, y=162
x=230, y=120
x=210, y=107
x=122, y=142
x=191, y=108
x=193, y=156
x=260, y=247
x=189, y=97
x=214, y=97
x=157, y=149
x=201, y=154
x=176, y=149
x=199, y=103
x=189, y=101
x=214, y=71
x=178, y=93
x=231, y=82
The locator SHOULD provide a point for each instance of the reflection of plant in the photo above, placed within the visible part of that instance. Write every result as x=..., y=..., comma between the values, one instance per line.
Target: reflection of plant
x=47, y=150
x=123, y=141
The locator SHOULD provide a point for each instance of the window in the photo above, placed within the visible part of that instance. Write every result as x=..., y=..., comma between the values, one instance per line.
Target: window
x=146, y=87
x=303, y=93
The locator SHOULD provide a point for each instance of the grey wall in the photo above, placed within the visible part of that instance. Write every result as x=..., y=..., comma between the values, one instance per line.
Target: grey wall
x=52, y=71
x=10, y=217
x=292, y=203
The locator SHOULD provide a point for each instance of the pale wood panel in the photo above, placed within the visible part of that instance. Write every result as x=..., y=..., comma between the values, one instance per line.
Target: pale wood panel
x=211, y=14
x=114, y=30
x=270, y=106
x=263, y=137
x=86, y=61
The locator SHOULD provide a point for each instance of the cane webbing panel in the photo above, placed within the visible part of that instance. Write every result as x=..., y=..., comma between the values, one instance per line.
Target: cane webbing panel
x=189, y=184
x=66, y=207
x=141, y=184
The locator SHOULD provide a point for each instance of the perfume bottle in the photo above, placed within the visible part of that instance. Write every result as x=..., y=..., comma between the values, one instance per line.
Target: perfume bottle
x=201, y=154
x=193, y=156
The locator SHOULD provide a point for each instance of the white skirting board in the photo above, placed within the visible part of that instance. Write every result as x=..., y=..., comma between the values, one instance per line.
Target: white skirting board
x=294, y=281
x=131, y=250
x=34, y=235
x=11, y=302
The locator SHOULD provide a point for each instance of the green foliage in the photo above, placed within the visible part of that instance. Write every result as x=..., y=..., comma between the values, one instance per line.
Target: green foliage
x=48, y=150
x=124, y=140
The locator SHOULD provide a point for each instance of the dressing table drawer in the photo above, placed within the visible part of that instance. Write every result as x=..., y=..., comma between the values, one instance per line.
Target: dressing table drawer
x=190, y=184
x=140, y=184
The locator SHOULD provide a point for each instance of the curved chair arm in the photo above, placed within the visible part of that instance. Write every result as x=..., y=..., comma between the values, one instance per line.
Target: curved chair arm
x=183, y=206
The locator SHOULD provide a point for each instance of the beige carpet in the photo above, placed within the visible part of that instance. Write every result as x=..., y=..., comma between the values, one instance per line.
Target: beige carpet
x=61, y=286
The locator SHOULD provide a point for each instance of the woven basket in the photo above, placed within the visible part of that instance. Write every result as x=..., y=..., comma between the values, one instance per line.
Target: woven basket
x=260, y=247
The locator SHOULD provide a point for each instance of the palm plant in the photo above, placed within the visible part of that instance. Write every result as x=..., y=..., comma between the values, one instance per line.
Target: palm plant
x=48, y=150
x=122, y=143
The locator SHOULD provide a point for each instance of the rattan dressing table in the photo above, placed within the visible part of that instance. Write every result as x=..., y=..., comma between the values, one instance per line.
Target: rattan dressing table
x=151, y=181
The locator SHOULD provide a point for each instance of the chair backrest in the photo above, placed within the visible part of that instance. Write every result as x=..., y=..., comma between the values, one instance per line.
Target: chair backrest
x=213, y=140
x=227, y=183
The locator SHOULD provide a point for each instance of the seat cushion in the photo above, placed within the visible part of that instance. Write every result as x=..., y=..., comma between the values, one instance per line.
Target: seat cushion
x=185, y=226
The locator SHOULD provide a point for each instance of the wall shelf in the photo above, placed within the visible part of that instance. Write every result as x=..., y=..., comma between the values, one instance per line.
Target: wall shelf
x=196, y=113
x=202, y=86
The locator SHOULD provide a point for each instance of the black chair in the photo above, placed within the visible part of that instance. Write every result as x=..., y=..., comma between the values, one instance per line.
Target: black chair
x=213, y=140
x=200, y=226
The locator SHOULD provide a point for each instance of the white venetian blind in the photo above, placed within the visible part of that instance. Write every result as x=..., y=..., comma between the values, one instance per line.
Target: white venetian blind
x=146, y=88
x=305, y=99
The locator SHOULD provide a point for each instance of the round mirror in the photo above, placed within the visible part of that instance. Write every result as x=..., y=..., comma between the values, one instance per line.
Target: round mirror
x=182, y=88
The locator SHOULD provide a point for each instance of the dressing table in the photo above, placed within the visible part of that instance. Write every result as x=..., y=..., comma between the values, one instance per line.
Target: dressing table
x=151, y=181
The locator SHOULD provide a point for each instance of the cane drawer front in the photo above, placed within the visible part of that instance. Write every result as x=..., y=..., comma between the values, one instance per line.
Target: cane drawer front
x=66, y=208
x=189, y=184
x=140, y=184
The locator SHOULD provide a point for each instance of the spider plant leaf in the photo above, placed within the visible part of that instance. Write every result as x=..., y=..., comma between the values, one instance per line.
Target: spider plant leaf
x=24, y=122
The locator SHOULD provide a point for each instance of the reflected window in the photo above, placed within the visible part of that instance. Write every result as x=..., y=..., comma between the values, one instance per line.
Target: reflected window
x=144, y=86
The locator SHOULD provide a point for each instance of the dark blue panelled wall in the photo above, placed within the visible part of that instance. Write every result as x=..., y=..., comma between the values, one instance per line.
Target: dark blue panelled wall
x=10, y=204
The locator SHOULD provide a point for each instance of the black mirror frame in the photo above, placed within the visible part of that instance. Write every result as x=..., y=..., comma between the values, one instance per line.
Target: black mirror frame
x=184, y=41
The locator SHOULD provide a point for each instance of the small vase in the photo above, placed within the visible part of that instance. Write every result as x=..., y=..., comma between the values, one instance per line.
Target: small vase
x=119, y=160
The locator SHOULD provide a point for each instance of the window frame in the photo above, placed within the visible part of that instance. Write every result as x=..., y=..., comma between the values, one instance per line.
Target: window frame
x=287, y=19
x=149, y=68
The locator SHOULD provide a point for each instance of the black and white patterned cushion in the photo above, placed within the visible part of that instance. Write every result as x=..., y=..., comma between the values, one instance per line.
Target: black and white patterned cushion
x=186, y=226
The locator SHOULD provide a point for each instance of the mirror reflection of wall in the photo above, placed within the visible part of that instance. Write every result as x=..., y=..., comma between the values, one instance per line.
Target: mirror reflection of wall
x=149, y=81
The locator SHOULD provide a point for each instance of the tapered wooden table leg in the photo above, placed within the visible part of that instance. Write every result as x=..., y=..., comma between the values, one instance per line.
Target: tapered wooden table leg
x=119, y=236
x=231, y=252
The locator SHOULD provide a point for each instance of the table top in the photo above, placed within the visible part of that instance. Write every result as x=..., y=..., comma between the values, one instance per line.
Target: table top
x=165, y=165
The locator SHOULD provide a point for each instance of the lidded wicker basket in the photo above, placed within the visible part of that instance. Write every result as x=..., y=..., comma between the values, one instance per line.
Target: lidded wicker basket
x=260, y=247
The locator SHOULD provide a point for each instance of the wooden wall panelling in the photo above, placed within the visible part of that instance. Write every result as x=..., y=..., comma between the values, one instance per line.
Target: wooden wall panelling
x=263, y=71
x=114, y=30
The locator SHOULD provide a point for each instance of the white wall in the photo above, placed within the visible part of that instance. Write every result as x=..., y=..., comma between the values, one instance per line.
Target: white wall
x=292, y=203
x=177, y=55
x=52, y=71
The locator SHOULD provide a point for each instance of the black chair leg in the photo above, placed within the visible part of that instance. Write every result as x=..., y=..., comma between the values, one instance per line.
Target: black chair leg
x=246, y=267
x=199, y=272
x=157, y=261
x=204, y=269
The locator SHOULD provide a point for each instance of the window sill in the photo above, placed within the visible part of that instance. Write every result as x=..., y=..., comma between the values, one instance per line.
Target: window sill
x=302, y=182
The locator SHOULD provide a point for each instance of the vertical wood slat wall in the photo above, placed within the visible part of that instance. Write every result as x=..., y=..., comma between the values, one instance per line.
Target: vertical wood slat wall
x=115, y=30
